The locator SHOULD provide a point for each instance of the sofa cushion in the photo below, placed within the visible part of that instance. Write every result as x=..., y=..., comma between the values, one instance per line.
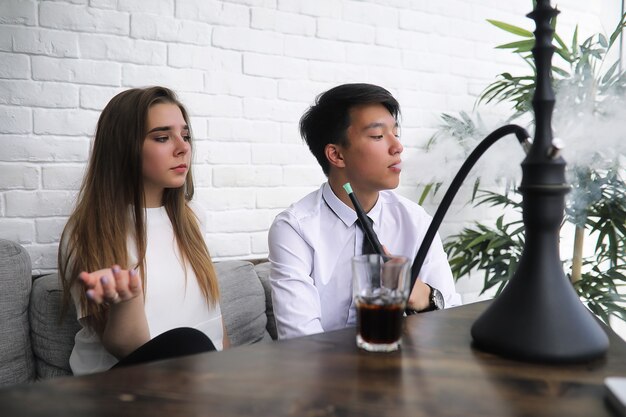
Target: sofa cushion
x=52, y=338
x=263, y=271
x=242, y=301
x=16, y=356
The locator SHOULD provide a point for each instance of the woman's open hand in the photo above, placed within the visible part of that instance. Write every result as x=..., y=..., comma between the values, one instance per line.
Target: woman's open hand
x=111, y=285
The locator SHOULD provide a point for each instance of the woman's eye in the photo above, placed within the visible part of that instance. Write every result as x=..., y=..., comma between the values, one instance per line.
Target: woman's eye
x=187, y=138
x=376, y=136
x=161, y=138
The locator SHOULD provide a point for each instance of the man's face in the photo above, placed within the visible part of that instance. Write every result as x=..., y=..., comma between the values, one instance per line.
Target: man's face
x=372, y=157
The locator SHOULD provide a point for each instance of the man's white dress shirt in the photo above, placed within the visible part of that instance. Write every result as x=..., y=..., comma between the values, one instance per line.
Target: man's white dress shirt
x=311, y=245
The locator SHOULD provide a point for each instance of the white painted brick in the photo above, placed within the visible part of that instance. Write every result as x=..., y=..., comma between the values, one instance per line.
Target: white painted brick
x=271, y=4
x=404, y=39
x=243, y=130
x=14, y=66
x=420, y=99
x=38, y=203
x=245, y=39
x=62, y=177
x=315, y=48
x=419, y=21
x=118, y=49
x=274, y=66
x=301, y=91
x=96, y=98
x=303, y=175
x=18, y=177
x=460, y=102
x=28, y=93
x=203, y=57
x=259, y=243
x=278, y=21
x=49, y=229
x=103, y=4
x=202, y=176
x=219, y=199
x=214, y=12
x=65, y=122
x=227, y=153
x=199, y=129
x=247, y=176
x=159, y=7
x=425, y=61
x=282, y=154
x=62, y=16
x=370, y=14
x=40, y=41
x=334, y=72
x=43, y=257
x=238, y=221
x=6, y=38
x=453, y=46
x=341, y=30
x=281, y=197
x=18, y=230
x=374, y=55
x=222, y=82
x=76, y=71
x=256, y=108
x=319, y=8
x=440, y=82
x=228, y=244
x=18, y=12
x=199, y=104
x=15, y=120
x=290, y=132
x=43, y=148
x=401, y=4
x=458, y=8
x=162, y=28
x=176, y=79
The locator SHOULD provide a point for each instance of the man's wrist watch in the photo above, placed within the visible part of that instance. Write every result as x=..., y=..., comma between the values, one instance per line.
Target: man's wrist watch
x=435, y=302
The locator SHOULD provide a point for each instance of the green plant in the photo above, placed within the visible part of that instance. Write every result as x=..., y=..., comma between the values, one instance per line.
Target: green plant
x=597, y=204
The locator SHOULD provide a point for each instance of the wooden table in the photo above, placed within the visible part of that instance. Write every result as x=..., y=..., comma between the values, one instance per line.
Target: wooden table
x=436, y=373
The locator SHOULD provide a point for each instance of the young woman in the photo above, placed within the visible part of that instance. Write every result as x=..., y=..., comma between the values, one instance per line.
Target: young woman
x=152, y=293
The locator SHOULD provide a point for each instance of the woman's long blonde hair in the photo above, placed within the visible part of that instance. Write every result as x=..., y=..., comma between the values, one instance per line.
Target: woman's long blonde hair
x=111, y=201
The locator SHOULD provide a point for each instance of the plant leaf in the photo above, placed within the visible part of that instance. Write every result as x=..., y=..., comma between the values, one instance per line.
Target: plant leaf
x=516, y=30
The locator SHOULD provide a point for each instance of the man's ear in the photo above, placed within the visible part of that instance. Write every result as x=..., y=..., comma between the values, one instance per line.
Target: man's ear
x=334, y=155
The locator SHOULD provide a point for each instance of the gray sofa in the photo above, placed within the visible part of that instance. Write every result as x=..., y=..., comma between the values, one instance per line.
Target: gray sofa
x=35, y=343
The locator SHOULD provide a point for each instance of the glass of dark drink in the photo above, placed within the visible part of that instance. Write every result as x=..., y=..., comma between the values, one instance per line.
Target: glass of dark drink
x=381, y=289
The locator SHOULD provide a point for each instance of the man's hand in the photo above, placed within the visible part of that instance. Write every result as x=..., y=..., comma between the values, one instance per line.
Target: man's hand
x=419, y=299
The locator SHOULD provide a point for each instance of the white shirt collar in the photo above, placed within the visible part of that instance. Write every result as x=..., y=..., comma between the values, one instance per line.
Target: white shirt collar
x=344, y=212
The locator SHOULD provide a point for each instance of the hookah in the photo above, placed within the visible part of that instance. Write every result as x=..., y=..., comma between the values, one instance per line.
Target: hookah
x=538, y=317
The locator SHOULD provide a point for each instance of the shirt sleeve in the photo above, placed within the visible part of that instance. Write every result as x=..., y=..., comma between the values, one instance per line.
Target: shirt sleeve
x=295, y=298
x=436, y=272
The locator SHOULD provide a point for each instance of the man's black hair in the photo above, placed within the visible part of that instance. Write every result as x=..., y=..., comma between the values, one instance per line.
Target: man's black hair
x=327, y=121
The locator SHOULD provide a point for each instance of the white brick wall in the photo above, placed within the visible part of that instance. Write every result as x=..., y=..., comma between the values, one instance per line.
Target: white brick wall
x=246, y=70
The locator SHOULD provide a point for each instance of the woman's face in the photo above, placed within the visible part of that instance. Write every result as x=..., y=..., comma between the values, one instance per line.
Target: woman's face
x=166, y=153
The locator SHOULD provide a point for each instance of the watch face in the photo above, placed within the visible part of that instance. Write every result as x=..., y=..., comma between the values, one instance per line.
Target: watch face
x=438, y=299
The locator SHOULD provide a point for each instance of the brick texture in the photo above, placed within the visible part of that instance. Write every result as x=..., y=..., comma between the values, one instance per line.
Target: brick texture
x=246, y=69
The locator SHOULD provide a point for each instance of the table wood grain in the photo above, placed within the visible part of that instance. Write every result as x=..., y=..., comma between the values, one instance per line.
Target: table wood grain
x=436, y=373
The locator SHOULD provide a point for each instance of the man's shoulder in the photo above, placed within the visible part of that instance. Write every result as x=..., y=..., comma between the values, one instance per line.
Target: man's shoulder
x=308, y=206
x=394, y=200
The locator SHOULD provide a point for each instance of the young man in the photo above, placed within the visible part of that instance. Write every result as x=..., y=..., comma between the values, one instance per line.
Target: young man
x=352, y=130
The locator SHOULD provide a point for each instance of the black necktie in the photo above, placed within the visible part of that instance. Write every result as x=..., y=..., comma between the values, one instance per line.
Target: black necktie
x=367, y=247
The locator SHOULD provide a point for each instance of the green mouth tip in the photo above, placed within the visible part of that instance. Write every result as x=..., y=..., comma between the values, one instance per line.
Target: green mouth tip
x=348, y=188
